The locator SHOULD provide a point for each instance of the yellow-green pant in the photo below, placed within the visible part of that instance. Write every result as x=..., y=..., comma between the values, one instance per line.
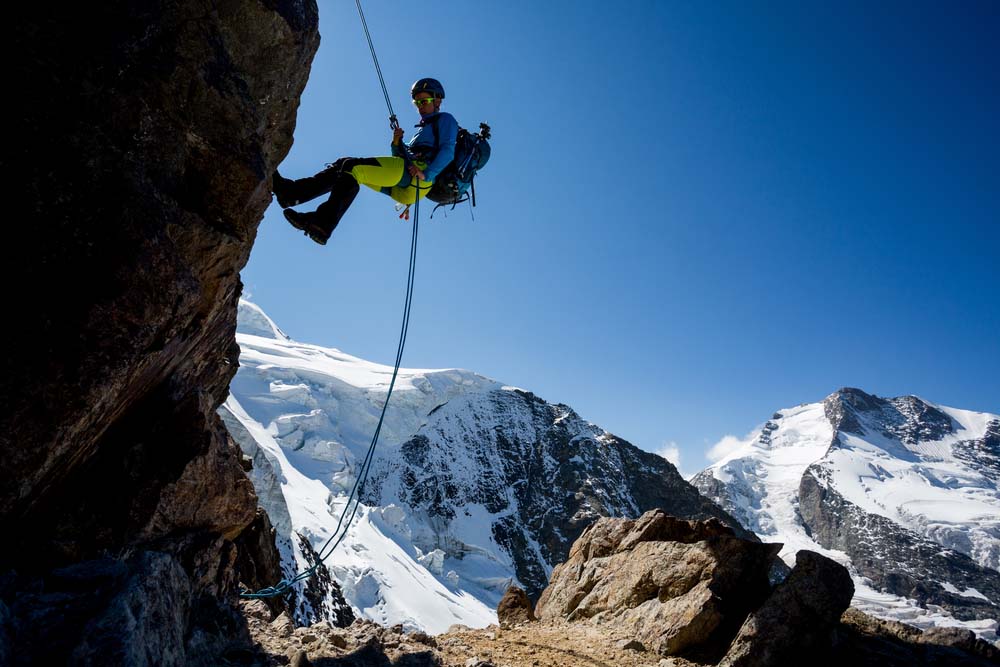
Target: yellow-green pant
x=387, y=176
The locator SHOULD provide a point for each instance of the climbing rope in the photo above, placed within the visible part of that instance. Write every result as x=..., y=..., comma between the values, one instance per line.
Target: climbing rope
x=340, y=532
x=338, y=535
x=393, y=123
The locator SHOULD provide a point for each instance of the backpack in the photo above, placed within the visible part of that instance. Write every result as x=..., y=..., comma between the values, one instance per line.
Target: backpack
x=453, y=184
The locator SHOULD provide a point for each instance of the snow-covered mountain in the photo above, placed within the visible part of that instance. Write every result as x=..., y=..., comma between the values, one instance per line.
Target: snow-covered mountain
x=902, y=491
x=475, y=485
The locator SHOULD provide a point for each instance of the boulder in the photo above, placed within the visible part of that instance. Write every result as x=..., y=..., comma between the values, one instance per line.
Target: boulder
x=670, y=584
x=863, y=640
x=514, y=608
x=797, y=621
x=961, y=639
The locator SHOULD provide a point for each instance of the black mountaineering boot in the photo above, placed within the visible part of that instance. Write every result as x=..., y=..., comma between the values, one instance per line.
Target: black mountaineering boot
x=282, y=188
x=321, y=223
x=310, y=224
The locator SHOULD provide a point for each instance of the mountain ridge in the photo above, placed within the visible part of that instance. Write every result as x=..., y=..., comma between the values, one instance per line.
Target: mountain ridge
x=475, y=484
x=481, y=485
x=901, y=489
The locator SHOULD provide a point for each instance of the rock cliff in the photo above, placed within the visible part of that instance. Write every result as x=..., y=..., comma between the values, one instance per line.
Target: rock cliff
x=143, y=139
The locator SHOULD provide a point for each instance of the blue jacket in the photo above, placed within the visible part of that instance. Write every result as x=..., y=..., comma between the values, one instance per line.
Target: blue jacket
x=422, y=142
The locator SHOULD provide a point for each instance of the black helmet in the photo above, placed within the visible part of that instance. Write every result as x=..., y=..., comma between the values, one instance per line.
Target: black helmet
x=432, y=86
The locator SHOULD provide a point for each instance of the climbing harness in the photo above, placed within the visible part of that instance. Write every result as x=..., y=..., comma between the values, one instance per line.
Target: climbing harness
x=338, y=535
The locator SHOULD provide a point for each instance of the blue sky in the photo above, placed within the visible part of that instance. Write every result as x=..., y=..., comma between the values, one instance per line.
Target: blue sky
x=695, y=213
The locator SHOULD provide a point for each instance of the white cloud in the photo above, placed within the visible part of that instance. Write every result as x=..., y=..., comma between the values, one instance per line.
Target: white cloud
x=671, y=452
x=722, y=448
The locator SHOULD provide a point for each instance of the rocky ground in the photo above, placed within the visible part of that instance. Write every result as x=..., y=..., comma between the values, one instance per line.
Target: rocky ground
x=554, y=643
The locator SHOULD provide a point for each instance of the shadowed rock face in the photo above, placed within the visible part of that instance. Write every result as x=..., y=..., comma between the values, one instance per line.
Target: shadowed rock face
x=258, y=562
x=144, y=135
x=863, y=641
x=798, y=620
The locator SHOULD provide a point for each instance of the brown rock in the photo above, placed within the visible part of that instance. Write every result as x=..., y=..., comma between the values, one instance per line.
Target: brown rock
x=962, y=639
x=867, y=625
x=144, y=147
x=283, y=625
x=515, y=607
x=669, y=583
x=256, y=609
x=863, y=640
x=424, y=638
x=798, y=620
x=631, y=645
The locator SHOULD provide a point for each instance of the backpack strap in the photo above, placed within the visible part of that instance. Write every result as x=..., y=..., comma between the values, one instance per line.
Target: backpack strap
x=434, y=126
x=433, y=122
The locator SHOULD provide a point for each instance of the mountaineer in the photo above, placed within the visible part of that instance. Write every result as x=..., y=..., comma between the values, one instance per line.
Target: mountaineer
x=407, y=174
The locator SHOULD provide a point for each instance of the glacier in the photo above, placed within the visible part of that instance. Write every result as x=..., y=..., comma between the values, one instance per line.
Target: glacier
x=915, y=478
x=475, y=485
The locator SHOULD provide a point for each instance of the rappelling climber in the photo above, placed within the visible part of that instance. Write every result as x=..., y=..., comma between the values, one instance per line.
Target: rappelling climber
x=404, y=176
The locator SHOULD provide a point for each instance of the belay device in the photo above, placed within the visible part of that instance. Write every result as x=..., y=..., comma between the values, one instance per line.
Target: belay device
x=456, y=183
